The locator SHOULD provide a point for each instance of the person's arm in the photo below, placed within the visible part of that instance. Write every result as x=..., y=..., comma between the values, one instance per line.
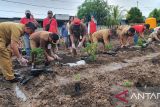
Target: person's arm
x=156, y=38
x=72, y=37
x=44, y=24
x=21, y=21
x=14, y=46
x=15, y=35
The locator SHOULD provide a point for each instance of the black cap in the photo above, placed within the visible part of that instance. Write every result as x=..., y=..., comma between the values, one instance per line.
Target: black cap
x=54, y=36
x=50, y=12
x=31, y=25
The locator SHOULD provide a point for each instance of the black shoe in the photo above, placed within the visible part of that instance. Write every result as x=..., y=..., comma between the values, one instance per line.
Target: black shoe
x=16, y=79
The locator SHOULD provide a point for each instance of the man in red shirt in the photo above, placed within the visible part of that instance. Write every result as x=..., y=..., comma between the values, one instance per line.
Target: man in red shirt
x=140, y=31
x=28, y=18
x=50, y=23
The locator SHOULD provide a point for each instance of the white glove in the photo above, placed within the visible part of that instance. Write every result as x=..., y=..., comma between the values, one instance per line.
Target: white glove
x=22, y=61
x=80, y=44
x=73, y=46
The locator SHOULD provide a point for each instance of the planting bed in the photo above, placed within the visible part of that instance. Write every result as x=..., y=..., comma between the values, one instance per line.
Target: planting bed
x=92, y=85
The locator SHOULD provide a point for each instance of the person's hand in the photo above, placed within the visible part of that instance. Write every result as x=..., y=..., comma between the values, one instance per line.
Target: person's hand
x=80, y=44
x=23, y=61
x=73, y=46
x=57, y=57
x=49, y=58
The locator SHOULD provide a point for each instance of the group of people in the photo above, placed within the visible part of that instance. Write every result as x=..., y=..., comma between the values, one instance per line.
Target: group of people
x=74, y=34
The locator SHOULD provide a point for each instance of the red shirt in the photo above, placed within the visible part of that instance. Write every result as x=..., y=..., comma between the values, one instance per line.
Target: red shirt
x=25, y=20
x=53, y=26
x=138, y=28
x=92, y=27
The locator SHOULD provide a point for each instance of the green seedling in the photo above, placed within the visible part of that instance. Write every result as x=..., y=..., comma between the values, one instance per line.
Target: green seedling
x=91, y=49
x=127, y=83
x=37, y=55
x=140, y=42
x=77, y=77
x=108, y=46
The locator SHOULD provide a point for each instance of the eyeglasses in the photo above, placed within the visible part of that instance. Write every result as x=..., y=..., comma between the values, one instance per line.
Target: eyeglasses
x=49, y=13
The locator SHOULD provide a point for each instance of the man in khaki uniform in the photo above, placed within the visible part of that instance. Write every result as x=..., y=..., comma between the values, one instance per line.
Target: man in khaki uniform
x=102, y=34
x=154, y=36
x=9, y=35
x=44, y=40
x=125, y=34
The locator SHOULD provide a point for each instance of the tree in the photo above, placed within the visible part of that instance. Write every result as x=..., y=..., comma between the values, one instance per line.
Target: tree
x=156, y=14
x=135, y=15
x=116, y=15
x=98, y=8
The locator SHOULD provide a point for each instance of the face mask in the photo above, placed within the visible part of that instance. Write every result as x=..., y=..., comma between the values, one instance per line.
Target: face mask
x=28, y=15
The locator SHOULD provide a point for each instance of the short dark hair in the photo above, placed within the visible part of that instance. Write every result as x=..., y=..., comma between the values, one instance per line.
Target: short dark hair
x=132, y=30
x=54, y=36
x=147, y=26
x=31, y=25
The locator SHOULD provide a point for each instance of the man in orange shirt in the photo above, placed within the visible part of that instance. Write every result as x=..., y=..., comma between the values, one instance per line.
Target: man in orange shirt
x=50, y=23
x=28, y=18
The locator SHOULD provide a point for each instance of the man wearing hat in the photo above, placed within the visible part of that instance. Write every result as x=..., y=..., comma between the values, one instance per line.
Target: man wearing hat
x=9, y=35
x=50, y=23
x=45, y=40
x=77, y=32
x=25, y=20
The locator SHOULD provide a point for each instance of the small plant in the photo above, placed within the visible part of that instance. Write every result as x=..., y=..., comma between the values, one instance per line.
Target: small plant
x=37, y=55
x=77, y=77
x=108, y=46
x=140, y=42
x=91, y=49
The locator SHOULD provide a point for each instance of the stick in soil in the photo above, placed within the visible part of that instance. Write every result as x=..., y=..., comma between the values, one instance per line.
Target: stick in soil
x=77, y=88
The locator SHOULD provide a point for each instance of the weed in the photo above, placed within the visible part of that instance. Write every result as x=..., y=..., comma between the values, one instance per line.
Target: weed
x=108, y=46
x=77, y=77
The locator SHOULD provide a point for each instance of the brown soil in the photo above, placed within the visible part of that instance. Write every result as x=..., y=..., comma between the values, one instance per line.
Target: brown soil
x=99, y=81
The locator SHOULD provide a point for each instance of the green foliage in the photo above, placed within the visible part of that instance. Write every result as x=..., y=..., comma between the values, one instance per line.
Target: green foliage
x=38, y=54
x=109, y=46
x=98, y=8
x=91, y=49
x=155, y=13
x=77, y=77
x=104, y=14
x=135, y=15
x=140, y=42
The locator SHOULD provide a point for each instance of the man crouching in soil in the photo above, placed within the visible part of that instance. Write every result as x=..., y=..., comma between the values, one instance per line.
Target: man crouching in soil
x=45, y=40
x=154, y=36
x=77, y=34
x=10, y=35
x=125, y=34
x=102, y=34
